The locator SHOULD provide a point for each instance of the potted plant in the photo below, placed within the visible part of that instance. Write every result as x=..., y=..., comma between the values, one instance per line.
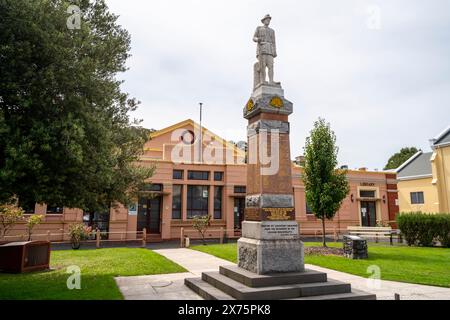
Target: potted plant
x=78, y=232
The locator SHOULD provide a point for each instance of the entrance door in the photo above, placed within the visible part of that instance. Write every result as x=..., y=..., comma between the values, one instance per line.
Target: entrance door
x=154, y=214
x=149, y=214
x=368, y=214
x=239, y=206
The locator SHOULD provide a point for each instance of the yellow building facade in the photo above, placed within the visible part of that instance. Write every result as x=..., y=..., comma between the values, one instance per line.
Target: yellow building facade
x=424, y=179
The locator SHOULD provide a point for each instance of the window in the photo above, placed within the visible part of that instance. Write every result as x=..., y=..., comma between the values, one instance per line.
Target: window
x=218, y=202
x=197, y=201
x=417, y=198
x=240, y=189
x=178, y=174
x=55, y=209
x=218, y=176
x=188, y=137
x=153, y=187
x=198, y=175
x=308, y=209
x=367, y=193
x=177, y=194
x=98, y=220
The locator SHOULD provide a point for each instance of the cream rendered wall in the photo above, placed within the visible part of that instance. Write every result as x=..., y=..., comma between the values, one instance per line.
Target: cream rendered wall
x=441, y=174
x=430, y=194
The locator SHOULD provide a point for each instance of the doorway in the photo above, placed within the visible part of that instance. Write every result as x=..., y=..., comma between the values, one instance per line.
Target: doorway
x=239, y=207
x=368, y=214
x=149, y=214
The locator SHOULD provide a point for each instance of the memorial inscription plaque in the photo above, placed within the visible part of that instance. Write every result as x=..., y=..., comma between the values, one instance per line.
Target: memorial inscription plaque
x=269, y=214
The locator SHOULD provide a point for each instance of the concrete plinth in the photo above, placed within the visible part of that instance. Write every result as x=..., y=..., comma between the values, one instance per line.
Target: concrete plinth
x=270, y=247
x=270, y=256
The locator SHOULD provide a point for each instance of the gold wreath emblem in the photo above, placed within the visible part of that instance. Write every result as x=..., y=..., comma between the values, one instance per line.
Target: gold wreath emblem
x=276, y=102
x=250, y=105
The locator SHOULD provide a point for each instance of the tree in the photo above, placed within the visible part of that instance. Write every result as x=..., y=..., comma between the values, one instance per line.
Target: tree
x=201, y=224
x=66, y=136
x=10, y=215
x=400, y=157
x=32, y=222
x=325, y=186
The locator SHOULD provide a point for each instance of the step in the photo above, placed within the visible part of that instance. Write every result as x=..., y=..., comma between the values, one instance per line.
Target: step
x=257, y=280
x=354, y=295
x=205, y=290
x=153, y=238
x=242, y=292
x=208, y=292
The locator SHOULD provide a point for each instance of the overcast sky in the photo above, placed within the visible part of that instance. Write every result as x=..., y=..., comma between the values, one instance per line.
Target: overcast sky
x=378, y=71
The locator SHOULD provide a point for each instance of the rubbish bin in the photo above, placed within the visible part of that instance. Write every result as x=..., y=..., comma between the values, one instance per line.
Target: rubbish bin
x=355, y=247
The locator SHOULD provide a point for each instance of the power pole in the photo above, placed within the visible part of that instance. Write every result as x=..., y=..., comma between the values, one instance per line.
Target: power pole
x=201, y=135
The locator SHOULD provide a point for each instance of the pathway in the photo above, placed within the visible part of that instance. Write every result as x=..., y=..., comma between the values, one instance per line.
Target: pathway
x=171, y=286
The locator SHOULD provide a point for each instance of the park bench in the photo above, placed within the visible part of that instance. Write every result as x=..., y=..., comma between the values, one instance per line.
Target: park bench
x=374, y=232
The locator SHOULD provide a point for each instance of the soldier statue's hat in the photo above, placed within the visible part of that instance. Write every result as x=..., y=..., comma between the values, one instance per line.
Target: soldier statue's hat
x=267, y=16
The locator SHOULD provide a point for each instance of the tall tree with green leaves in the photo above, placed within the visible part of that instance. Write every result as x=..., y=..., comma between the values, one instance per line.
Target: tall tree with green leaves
x=325, y=185
x=66, y=136
x=400, y=157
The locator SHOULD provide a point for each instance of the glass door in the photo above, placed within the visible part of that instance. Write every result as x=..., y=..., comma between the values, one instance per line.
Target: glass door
x=149, y=214
x=368, y=214
x=154, y=215
x=239, y=206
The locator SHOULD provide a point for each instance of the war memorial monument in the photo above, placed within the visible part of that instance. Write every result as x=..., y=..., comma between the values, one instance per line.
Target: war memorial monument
x=270, y=253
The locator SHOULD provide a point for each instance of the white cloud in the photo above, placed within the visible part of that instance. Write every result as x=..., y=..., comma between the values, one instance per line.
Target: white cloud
x=380, y=89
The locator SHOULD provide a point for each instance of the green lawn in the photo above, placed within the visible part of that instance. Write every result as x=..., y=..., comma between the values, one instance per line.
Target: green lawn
x=429, y=266
x=98, y=269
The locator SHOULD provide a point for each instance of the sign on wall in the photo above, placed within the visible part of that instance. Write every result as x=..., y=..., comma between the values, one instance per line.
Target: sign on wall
x=132, y=209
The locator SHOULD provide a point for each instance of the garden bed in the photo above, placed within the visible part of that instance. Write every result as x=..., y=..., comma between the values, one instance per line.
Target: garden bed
x=324, y=251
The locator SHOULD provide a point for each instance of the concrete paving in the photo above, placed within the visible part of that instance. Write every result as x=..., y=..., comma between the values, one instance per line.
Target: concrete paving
x=194, y=261
x=157, y=287
x=171, y=286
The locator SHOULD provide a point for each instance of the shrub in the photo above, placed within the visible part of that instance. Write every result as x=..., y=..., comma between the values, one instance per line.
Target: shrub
x=32, y=222
x=10, y=215
x=425, y=229
x=201, y=224
x=444, y=230
x=77, y=233
x=408, y=227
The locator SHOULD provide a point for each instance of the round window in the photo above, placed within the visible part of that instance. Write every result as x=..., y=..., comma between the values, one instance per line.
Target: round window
x=188, y=137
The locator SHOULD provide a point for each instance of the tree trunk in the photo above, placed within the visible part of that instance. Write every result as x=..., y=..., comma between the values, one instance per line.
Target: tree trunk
x=323, y=232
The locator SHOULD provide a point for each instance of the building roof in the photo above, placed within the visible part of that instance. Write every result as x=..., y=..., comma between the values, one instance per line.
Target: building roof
x=442, y=138
x=191, y=122
x=418, y=166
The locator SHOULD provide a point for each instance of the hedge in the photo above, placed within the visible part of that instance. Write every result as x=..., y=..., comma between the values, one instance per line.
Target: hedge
x=423, y=229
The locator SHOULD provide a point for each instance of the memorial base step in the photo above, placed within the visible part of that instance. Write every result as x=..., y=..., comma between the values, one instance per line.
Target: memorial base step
x=232, y=282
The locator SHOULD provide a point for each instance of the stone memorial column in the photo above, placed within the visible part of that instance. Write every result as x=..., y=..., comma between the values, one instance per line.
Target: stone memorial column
x=270, y=242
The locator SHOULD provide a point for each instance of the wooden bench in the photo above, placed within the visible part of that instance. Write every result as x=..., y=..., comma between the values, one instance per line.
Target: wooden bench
x=316, y=232
x=374, y=232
